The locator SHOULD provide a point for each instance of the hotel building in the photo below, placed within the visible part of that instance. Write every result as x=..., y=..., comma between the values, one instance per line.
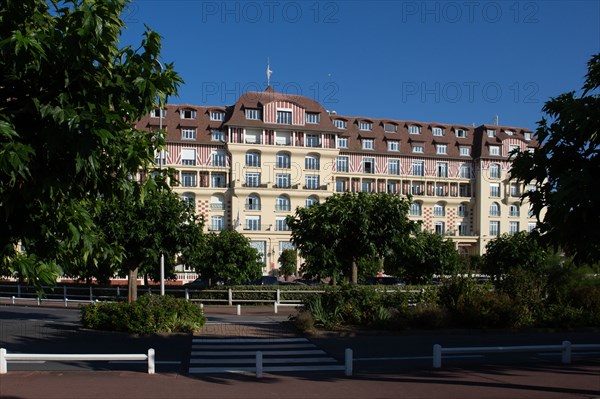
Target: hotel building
x=249, y=165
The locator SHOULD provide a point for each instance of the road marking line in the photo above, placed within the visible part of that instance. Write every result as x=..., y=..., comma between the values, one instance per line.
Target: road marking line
x=245, y=340
x=253, y=353
x=199, y=370
x=275, y=346
x=265, y=360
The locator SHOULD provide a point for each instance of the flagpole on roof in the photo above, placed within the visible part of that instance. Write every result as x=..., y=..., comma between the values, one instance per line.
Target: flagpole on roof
x=269, y=72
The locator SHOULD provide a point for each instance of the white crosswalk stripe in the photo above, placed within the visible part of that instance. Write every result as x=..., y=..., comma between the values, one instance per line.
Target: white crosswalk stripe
x=236, y=355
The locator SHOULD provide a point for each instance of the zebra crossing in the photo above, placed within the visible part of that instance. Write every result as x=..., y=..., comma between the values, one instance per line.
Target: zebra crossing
x=238, y=355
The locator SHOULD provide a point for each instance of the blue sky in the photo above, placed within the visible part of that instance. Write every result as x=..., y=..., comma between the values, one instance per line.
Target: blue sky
x=457, y=62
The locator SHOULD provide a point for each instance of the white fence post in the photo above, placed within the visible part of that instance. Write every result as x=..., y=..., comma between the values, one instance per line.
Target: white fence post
x=3, y=368
x=13, y=300
x=259, y=364
x=275, y=307
x=187, y=294
x=437, y=356
x=151, y=362
x=229, y=297
x=278, y=296
x=349, y=362
x=566, y=352
x=66, y=302
x=239, y=310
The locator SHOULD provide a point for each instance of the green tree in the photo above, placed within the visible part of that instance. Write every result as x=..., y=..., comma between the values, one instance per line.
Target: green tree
x=289, y=262
x=144, y=228
x=227, y=257
x=418, y=258
x=565, y=170
x=332, y=236
x=508, y=252
x=69, y=99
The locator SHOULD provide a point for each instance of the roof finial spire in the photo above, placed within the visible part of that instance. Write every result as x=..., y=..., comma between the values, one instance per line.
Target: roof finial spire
x=269, y=72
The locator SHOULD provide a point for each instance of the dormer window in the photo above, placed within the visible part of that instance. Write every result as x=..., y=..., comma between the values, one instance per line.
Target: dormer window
x=253, y=113
x=509, y=132
x=461, y=133
x=393, y=145
x=155, y=113
x=418, y=149
x=390, y=127
x=414, y=129
x=340, y=124
x=465, y=151
x=217, y=115
x=437, y=131
x=441, y=149
x=284, y=117
x=527, y=136
x=313, y=118
x=494, y=150
x=188, y=114
x=363, y=125
x=491, y=133
x=367, y=144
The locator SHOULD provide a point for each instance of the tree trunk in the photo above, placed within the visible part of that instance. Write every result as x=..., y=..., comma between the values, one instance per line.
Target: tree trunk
x=132, y=285
x=354, y=272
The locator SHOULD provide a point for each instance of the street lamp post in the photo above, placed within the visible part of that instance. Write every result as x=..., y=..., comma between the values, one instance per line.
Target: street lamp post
x=160, y=162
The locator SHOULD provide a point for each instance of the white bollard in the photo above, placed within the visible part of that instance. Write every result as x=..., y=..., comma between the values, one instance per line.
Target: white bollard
x=202, y=306
x=259, y=364
x=349, y=362
x=13, y=300
x=239, y=310
x=66, y=302
x=566, y=352
x=437, y=356
x=275, y=308
x=151, y=361
x=3, y=368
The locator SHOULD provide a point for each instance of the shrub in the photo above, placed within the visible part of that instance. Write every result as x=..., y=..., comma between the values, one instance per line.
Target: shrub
x=148, y=315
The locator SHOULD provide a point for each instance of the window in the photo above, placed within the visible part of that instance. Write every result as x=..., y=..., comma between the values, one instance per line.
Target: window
x=514, y=210
x=280, y=224
x=341, y=164
x=464, y=190
x=219, y=158
x=465, y=151
x=494, y=209
x=313, y=118
x=283, y=203
x=367, y=144
x=217, y=135
x=217, y=115
x=393, y=187
x=312, y=182
x=390, y=127
x=284, y=117
x=340, y=124
x=514, y=190
x=491, y=133
x=160, y=157
x=494, y=150
x=437, y=131
x=188, y=156
x=189, y=199
x=393, y=145
x=253, y=113
x=418, y=168
x=413, y=129
x=283, y=138
x=531, y=226
x=155, y=113
x=393, y=167
x=368, y=165
x=342, y=142
x=495, y=172
x=531, y=212
x=441, y=189
x=252, y=136
x=509, y=132
x=283, y=180
x=494, y=228
x=463, y=229
x=188, y=179
x=461, y=133
x=252, y=223
x=463, y=210
x=310, y=201
x=252, y=179
x=217, y=223
x=311, y=163
x=514, y=148
x=217, y=202
x=442, y=169
x=494, y=190
x=253, y=159
x=417, y=188
x=217, y=180
x=367, y=186
x=188, y=134
x=312, y=140
x=341, y=185
x=415, y=209
x=417, y=149
x=439, y=209
x=441, y=149
x=253, y=203
x=440, y=228
x=466, y=172
x=363, y=125
x=282, y=160
x=188, y=114
x=527, y=136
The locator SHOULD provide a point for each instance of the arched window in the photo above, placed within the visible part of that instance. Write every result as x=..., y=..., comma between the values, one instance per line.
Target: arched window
x=415, y=209
x=439, y=209
x=495, y=209
x=495, y=171
x=282, y=160
x=283, y=203
x=312, y=200
x=515, y=210
x=217, y=202
x=463, y=210
x=253, y=202
x=253, y=159
x=311, y=162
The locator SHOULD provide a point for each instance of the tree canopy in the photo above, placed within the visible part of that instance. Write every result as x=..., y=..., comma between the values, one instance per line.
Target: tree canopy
x=565, y=170
x=69, y=98
x=334, y=235
x=519, y=251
